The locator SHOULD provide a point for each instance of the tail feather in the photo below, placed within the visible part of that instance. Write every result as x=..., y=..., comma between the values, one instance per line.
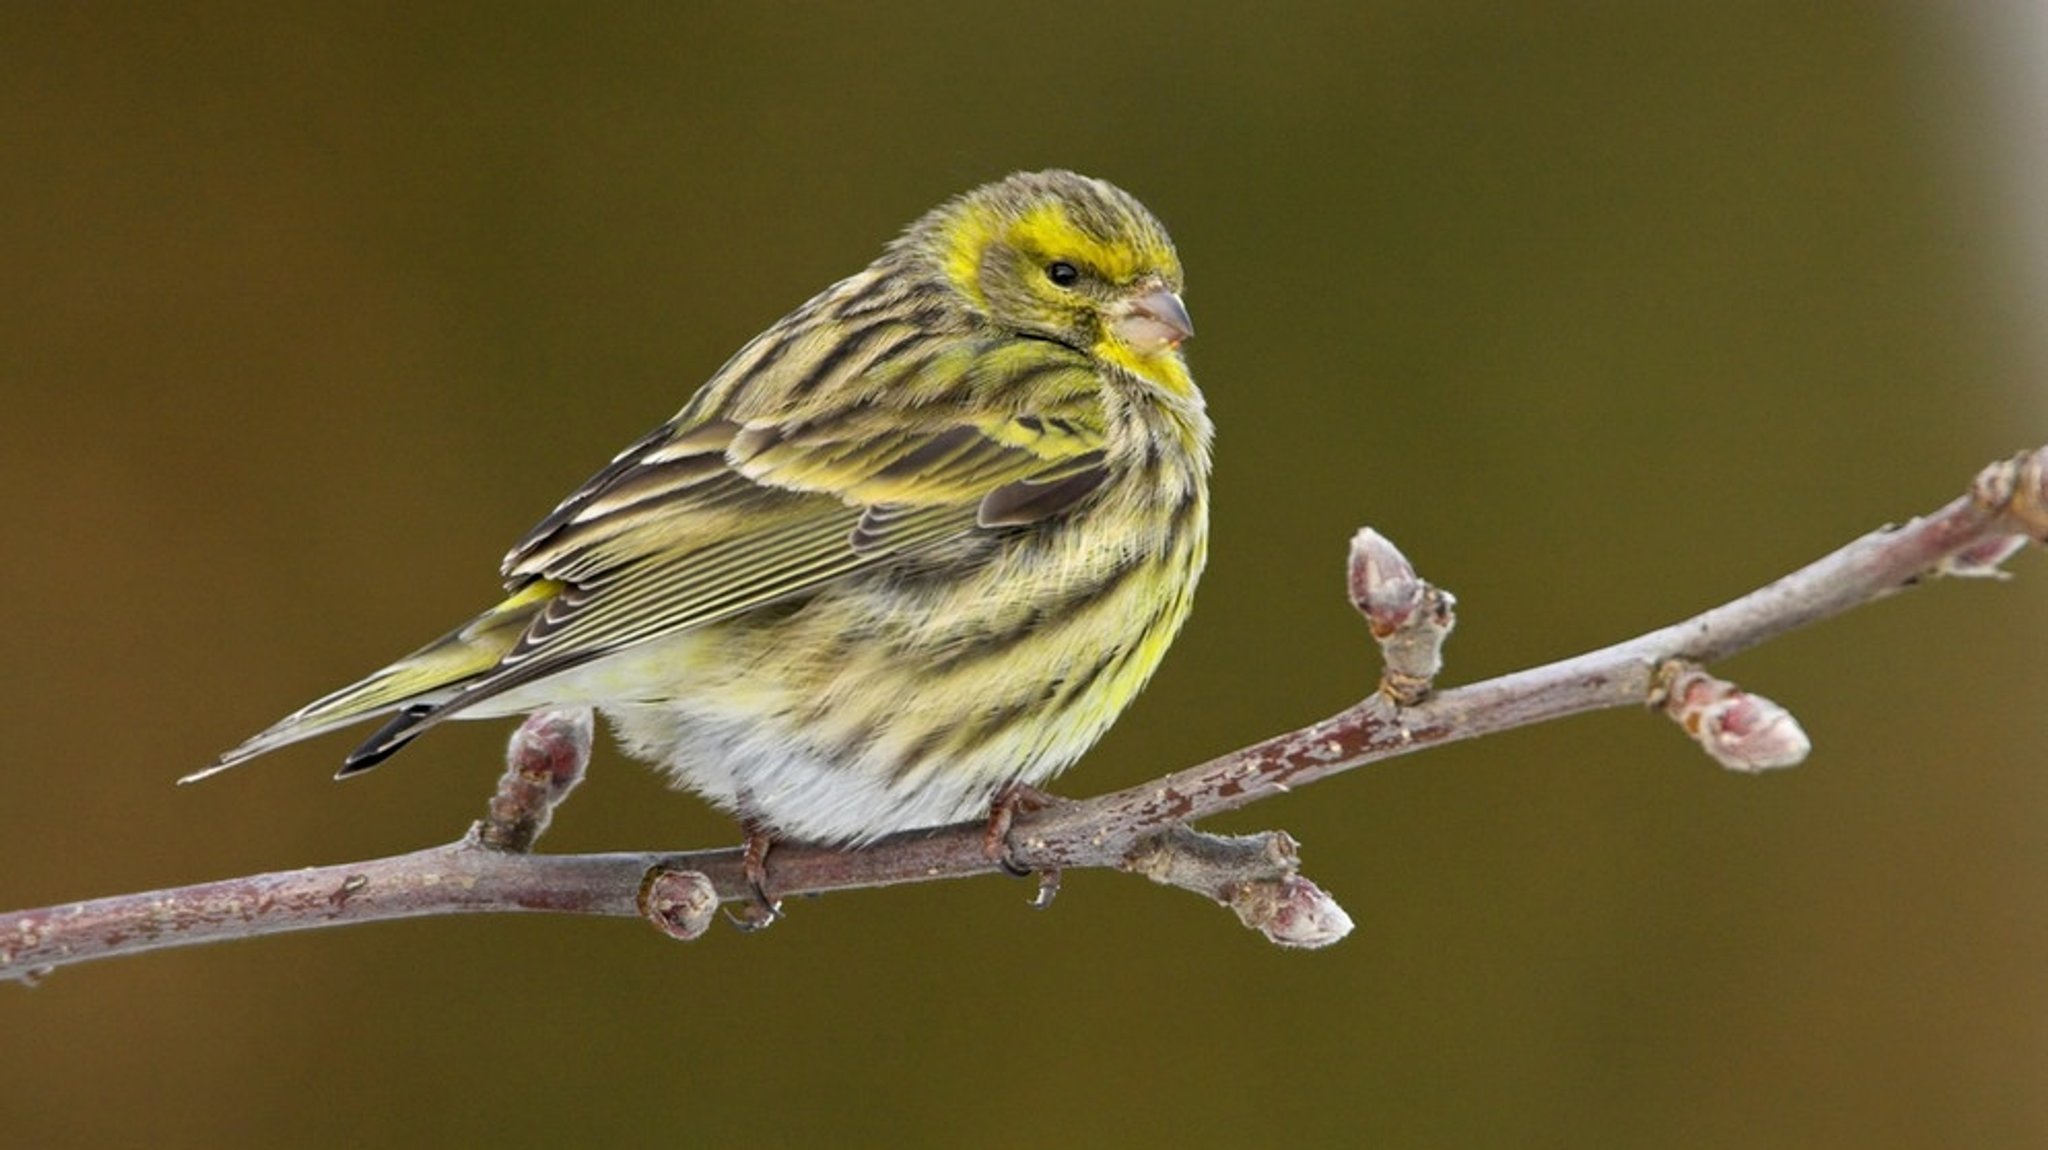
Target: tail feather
x=415, y=686
x=388, y=740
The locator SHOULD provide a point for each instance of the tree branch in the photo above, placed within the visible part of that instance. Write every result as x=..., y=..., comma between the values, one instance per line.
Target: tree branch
x=1143, y=829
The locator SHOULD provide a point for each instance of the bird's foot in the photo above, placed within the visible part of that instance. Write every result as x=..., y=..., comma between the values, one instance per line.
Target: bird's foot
x=995, y=837
x=761, y=911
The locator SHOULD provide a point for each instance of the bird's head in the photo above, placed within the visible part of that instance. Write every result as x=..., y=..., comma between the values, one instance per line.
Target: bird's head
x=1060, y=256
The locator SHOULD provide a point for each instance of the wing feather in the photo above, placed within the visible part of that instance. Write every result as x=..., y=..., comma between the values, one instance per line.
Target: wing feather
x=712, y=515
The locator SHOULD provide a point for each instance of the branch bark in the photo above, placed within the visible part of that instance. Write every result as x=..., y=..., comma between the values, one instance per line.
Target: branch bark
x=1143, y=829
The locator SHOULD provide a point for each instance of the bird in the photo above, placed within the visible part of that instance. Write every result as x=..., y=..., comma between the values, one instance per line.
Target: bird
x=917, y=544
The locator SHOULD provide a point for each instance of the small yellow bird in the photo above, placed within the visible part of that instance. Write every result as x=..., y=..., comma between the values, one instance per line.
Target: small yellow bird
x=922, y=539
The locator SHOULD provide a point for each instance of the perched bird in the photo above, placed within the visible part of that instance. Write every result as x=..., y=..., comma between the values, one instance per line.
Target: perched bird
x=922, y=539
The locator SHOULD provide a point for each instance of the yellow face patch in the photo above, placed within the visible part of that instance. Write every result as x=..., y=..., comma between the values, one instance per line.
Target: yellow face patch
x=1163, y=369
x=1047, y=231
x=968, y=237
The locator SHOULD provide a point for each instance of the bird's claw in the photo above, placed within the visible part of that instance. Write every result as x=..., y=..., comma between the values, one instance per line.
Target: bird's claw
x=761, y=910
x=995, y=837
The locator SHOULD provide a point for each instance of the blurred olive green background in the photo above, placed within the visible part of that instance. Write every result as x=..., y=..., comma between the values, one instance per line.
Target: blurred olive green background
x=1604, y=312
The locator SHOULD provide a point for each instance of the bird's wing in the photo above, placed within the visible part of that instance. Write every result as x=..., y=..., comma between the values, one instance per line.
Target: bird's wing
x=707, y=518
x=723, y=517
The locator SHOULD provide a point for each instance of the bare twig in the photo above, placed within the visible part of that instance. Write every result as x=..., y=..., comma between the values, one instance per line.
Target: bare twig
x=1141, y=829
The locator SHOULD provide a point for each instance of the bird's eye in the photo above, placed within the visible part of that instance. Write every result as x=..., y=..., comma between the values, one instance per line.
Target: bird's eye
x=1062, y=273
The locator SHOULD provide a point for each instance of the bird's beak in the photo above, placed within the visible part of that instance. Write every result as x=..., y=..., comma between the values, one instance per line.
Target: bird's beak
x=1152, y=321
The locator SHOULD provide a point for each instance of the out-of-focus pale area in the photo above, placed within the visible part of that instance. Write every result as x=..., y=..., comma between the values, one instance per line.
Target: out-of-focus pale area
x=2009, y=47
x=1604, y=313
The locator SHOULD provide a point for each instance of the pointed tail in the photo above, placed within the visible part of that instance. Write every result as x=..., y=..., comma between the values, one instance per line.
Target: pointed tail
x=414, y=686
